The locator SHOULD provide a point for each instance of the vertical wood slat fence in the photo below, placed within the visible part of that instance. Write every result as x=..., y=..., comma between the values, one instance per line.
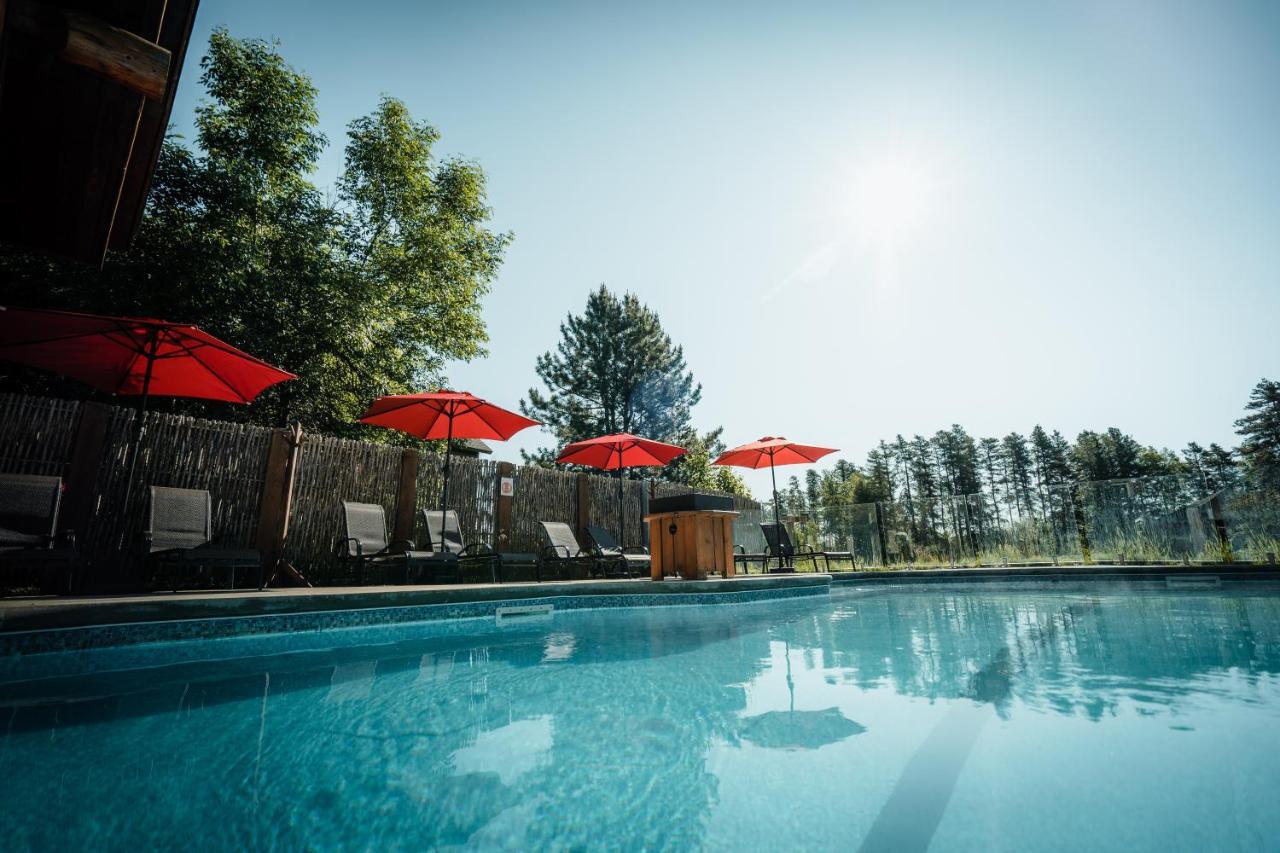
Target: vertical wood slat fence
x=87, y=445
x=36, y=434
x=330, y=471
x=227, y=459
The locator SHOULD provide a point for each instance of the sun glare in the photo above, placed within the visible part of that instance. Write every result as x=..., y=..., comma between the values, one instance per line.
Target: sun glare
x=889, y=198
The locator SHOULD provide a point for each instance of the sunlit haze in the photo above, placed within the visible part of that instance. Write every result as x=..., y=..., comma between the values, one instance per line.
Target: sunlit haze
x=858, y=219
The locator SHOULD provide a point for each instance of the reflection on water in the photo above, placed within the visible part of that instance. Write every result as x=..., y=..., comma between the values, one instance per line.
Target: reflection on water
x=670, y=728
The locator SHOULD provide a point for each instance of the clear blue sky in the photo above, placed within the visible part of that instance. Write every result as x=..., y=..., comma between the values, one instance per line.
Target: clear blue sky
x=859, y=219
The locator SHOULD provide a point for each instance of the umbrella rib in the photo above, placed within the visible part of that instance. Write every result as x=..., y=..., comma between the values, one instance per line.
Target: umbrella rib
x=191, y=352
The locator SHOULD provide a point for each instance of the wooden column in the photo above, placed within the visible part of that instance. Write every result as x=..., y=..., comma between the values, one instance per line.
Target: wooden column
x=274, y=502
x=584, y=506
x=502, y=509
x=407, y=496
x=82, y=475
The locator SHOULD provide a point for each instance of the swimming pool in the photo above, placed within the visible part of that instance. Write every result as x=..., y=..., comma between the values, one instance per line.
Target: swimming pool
x=958, y=718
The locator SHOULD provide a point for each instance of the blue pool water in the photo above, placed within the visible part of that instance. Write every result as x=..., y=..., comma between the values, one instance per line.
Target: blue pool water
x=895, y=719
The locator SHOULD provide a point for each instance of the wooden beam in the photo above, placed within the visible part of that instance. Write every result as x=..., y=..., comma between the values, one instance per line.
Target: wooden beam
x=407, y=495
x=111, y=52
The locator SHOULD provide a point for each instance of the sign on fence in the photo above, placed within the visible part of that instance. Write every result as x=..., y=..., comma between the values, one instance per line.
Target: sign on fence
x=507, y=487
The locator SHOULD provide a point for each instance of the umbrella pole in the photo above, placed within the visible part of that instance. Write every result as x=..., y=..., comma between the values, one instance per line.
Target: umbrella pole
x=622, y=517
x=135, y=447
x=448, y=449
x=777, y=521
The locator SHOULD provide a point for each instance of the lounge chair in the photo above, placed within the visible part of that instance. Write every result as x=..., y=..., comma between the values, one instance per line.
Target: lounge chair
x=29, y=536
x=444, y=535
x=632, y=559
x=742, y=557
x=562, y=550
x=179, y=537
x=779, y=547
x=367, y=546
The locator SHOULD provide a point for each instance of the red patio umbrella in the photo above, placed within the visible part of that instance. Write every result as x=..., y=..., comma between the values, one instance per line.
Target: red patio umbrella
x=616, y=452
x=136, y=356
x=772, y=451
x=445, y=415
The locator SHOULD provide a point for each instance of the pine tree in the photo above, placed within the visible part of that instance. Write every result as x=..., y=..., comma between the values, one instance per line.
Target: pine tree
x=614, y=370
x=1222, y=471
x=1018, y=472
x=1194, y=456
x=1260, y=430
x=989, y=454
x=880, y=472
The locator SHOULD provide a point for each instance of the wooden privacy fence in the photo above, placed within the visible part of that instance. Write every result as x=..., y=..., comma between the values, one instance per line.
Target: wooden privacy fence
x=245, y=468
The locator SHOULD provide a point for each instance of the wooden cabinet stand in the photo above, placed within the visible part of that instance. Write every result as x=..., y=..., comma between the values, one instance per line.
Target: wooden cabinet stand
x=691, y=543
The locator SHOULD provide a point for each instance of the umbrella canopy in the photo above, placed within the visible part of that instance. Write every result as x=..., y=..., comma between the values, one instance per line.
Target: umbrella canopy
x=134, y=355
x=616, y=452
x=770, y=451
x=620, y=450
x=445, y=415
x=137, y=356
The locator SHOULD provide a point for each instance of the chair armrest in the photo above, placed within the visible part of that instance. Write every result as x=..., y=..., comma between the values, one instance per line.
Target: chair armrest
x=399, y=546
x=476, y=549
x=635, y=549
x=67, y=537
x=553, y=551
x=343, y=552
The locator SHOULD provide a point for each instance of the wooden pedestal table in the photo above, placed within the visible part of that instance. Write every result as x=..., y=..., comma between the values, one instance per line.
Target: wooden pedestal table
x=691, y=543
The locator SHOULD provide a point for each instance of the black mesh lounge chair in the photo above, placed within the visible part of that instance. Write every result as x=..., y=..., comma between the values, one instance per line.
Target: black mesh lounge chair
x=179, y=537
x=630, y=560
x=30, y=541
x=562, y=552
x=367, y=546
x=778, y=547
x=741, y=557
x=778, y=544
x=444, y=534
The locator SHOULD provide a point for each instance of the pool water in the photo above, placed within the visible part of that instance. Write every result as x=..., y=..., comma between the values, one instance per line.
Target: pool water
x=909, y=718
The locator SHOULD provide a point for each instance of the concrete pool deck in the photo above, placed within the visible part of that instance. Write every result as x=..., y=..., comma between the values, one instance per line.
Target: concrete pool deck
x=50, y=624
x=46, y=612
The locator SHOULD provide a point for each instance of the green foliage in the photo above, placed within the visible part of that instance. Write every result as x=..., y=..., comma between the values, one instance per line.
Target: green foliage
x=362, y=293
x=614, y=370
x=1260, y=429
x=695, y=470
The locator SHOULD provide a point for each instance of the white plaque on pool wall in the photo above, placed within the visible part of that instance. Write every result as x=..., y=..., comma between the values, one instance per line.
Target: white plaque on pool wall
x=507, y=487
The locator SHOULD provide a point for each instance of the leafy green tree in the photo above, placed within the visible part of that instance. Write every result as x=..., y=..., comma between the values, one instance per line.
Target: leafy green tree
x=1260, y=429
x=695, y=470
x=362, y=291
x=1221, y=468
x=614, y=370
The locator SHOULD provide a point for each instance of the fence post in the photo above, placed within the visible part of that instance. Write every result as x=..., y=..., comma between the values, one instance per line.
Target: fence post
x=407, y=495
x=273, y=504
x=584, y=506
x=82, y=471
x=502, y=509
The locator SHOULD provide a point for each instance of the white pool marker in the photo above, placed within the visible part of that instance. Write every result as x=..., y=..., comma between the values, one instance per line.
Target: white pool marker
x=523, y=612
